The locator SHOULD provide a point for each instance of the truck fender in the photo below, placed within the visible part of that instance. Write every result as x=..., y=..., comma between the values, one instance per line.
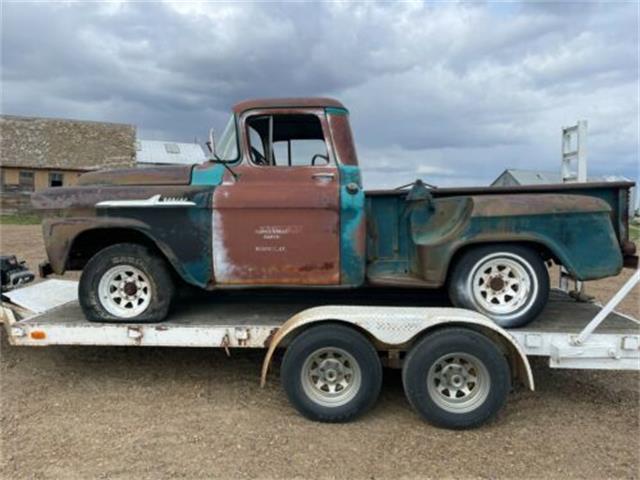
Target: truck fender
x=399, y=326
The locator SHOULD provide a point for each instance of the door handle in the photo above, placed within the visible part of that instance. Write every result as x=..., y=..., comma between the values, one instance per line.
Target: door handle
x=325, y=175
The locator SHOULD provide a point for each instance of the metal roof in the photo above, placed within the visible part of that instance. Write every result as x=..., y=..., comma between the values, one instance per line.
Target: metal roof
x=320, y=102
x=540, y=177
x=165, y=152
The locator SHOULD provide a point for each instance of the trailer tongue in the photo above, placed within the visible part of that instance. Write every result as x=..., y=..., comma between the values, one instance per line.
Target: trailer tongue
x=458, y=366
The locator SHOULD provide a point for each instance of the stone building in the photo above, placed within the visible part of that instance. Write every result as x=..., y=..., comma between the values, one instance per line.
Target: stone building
x=36, y=153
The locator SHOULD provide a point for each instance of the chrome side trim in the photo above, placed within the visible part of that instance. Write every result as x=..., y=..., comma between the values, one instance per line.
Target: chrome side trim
x=154, y=201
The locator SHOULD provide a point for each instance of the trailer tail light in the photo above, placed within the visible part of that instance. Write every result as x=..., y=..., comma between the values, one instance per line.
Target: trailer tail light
x=38, y=335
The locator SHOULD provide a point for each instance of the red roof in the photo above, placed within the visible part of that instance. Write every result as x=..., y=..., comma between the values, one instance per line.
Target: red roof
x=286, y=103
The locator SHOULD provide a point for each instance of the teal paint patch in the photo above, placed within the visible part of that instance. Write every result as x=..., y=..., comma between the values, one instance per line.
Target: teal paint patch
x=208, y=176
x=197, y=272
x=390, y=251
x=572, y=237
x=352, y=217
x=336, y=111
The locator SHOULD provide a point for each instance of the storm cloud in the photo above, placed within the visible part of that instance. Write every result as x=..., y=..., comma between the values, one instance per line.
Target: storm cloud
x=450, y=92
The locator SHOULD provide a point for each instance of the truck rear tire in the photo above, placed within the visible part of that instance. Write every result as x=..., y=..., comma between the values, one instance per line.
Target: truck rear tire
x=507, y=283
x=126, y=282
x=456, y=378
x=331, y=373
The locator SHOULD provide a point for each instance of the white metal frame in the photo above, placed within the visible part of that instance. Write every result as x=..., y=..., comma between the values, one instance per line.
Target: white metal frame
x=588, y=349
x=573, y=168
x=574, y=160
x=608, y=308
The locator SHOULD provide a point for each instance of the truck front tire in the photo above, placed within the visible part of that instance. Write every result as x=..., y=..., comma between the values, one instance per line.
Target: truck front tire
x=126, y=282
x=331, y=373
x=456, y=378
x=507, y=283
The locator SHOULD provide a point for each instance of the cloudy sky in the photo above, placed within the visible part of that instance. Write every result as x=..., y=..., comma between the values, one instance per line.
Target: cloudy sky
x=452, y=92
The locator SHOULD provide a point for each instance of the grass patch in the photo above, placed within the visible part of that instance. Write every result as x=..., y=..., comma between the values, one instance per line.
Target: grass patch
x=19, y=220
x=634, y=232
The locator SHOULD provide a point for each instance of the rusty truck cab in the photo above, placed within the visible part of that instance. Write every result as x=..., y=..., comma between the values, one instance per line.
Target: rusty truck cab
x=290, y=208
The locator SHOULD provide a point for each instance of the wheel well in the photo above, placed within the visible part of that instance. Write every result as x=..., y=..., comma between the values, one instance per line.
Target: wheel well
x=542, y=249
x=289, y=337
x=90, y=242
x=519, y=366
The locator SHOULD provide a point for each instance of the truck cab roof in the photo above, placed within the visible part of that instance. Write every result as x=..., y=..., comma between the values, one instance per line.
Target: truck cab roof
x=302, y=102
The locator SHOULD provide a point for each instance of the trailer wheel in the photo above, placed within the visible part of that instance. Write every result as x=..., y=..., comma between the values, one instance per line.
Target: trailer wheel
x=331, y=373
x=508, y=283
x=125, y=282
x=456, y=378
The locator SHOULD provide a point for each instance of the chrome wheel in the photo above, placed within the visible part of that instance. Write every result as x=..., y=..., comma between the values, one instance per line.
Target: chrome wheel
x=124, y=291
x=503, y=284
x=331, y=377
x=458, y=382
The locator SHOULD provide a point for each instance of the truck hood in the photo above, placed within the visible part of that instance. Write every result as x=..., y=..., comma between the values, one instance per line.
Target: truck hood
x=165, y=175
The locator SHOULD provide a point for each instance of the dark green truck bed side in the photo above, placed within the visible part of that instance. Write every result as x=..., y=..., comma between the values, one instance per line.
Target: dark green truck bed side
x=583, y=226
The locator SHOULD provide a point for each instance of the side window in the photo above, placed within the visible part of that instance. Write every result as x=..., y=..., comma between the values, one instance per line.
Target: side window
x=291, y=140
x=56, y=179
x=26, y=180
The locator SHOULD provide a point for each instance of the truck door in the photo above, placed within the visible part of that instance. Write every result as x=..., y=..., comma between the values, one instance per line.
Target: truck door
x=278, y=223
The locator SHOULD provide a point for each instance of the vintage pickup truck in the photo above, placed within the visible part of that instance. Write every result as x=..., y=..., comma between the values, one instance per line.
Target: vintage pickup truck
x=281, y=204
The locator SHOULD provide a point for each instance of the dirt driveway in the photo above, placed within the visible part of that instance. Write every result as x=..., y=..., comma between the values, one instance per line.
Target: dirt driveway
x=79, y=412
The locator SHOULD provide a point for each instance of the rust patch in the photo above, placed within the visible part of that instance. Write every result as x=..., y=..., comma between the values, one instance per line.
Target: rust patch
x=304, y=102
x=166, y=175
x=311, y=268
x=269, y=338
x=542, y=204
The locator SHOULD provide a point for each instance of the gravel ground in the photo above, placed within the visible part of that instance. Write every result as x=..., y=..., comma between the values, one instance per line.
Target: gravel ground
x=79, y=412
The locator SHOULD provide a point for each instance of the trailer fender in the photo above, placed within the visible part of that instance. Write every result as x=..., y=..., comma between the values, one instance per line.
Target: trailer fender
x=399, y=326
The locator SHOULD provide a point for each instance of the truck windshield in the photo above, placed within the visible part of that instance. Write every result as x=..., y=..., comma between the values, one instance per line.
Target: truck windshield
x=227, y=148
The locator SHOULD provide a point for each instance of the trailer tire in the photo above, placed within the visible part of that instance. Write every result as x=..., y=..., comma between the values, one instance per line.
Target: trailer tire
x=331, y=373
x=456, y=378
x=126, y=282
x=511, y=300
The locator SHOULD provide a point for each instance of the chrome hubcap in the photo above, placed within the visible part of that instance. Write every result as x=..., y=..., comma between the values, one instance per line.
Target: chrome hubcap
x=331, y=377
x=458, y=382
x=124, y=291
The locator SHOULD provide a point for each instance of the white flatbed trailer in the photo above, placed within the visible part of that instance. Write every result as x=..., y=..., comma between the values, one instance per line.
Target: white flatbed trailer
x=570, y=333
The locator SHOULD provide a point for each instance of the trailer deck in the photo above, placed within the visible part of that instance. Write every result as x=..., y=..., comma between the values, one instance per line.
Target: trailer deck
x=241, y=319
